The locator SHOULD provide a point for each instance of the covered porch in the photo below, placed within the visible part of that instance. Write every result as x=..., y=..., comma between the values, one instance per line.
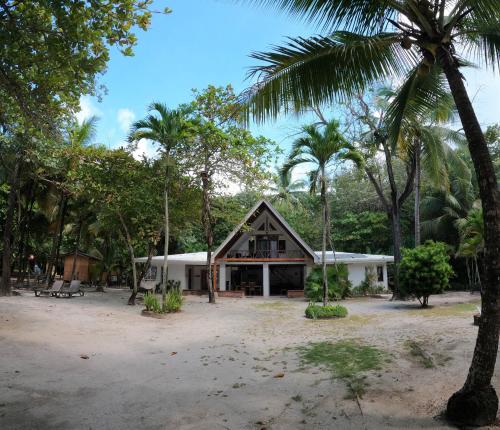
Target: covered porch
x=260, y=279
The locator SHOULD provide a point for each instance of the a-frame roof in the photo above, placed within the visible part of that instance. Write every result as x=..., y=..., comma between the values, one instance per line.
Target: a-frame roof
x=249, y=218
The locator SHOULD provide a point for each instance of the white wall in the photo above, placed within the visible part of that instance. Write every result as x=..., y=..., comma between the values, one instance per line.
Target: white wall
x=356, y=273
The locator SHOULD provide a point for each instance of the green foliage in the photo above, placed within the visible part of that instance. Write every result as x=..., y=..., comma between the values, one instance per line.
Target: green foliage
x=339, y=285
x=425, y=270
x=365, y=231
x=173, y=300
x=52, y=52
x=152, y=303
x=314, y=311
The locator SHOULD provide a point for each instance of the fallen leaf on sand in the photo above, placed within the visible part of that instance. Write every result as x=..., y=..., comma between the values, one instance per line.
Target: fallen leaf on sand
x=279, y=375
x=173, y=353
x=84, y=356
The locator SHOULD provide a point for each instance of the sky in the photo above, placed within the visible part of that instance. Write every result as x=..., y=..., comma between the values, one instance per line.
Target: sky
x=206, y=42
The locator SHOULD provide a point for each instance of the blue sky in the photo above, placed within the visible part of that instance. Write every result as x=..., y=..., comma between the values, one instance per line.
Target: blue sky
x=208, y=42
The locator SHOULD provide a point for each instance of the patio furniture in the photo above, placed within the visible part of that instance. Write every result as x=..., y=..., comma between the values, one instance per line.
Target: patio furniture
x=52, y=291
x=74, y=288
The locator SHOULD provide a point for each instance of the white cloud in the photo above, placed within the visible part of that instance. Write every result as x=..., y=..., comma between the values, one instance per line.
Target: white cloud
x=87, y=109
x=125, y=118
x=145, y=147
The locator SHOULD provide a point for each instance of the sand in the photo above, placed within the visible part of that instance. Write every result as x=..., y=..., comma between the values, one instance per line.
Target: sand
x=214, y=366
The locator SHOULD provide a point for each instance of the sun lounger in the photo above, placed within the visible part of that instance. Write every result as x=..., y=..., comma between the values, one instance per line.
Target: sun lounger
x=73, y=289
x=52, y=291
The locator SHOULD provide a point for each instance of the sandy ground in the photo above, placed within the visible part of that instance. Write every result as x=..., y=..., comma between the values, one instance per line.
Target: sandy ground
x=214, y=366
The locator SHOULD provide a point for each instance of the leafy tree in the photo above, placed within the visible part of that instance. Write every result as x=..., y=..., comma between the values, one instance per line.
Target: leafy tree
x=392, y=39
x=52, y=52
x=167, y=128
x=362, y=232
x=322, y=149
x=425, y=270
x=220, y=152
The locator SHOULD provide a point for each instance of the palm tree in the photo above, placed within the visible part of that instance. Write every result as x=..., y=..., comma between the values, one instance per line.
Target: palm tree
x=165, y=127
x=284, y=190
x=471, y=246
x=393, y=38
x=322, y=149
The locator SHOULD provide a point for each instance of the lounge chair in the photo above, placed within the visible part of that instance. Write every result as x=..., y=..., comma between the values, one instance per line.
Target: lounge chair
x=52, y=291
x=74, y=288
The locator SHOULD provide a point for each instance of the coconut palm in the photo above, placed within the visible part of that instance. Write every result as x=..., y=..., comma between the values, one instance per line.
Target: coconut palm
x=371, y=40
x=321, y=149
x=165, y=127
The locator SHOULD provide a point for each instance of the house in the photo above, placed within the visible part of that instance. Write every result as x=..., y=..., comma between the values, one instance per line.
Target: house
x=263, y=256
x=83, y=266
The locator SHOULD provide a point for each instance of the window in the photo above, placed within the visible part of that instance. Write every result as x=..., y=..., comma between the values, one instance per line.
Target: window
x=380, y=273
x=151, y=274
x=282, y=245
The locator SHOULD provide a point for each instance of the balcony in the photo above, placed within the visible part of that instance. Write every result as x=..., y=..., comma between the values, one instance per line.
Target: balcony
x=263, y=254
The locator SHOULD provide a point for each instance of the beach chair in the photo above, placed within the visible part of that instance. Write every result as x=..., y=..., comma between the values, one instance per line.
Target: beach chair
x=73, y=289
x=52, y=291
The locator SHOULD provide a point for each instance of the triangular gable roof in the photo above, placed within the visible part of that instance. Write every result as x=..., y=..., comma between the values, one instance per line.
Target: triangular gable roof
x=253, y=213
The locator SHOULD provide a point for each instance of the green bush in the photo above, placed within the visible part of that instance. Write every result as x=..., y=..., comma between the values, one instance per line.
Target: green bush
x=425, y=270
x=173, y=300
x=151, y=302
x=339, y=286
x=315, y=311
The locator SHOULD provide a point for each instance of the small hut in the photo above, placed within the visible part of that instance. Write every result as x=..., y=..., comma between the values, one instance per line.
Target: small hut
x=83, y=265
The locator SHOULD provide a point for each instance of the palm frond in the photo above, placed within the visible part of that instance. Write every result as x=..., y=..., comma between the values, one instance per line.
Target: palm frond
x=317, y=70
x=362, y=16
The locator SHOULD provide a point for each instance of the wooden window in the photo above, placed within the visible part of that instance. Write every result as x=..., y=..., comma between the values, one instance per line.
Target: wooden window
x=282, y=245
x=151, y=274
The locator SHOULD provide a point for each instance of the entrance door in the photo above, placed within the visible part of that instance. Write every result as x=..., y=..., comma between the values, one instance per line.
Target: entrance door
x=204, y=285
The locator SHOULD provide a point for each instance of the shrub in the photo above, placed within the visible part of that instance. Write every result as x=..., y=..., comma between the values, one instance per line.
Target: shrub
x=151, y=302
x=315, y=311
x=425, y=270
x=173, y=300
x=339, y=285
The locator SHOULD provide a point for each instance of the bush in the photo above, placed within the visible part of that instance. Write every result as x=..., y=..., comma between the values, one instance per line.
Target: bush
x=425, y=270
x=315, y=311
x=339, y=286
x=151, y=302
x=173, y=300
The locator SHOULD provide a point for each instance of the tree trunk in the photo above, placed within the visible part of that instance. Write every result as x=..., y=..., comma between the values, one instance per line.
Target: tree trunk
x=57, y=239
x=396, y=240
x=476, y=403
x=131, y=300
x=418, y=151
x=167, y=238
x=24, y=237
x=75, y=255
x=128, y=240
x=323, y=243
x=5, y=289
x=206, y=217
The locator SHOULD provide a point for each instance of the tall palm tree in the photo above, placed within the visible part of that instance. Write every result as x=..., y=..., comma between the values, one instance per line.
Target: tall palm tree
x=391, y=38
x=167, y=128
x=321, y=149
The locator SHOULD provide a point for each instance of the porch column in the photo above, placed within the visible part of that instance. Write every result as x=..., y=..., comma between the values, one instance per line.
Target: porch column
x=265, y=280
x=222, y=277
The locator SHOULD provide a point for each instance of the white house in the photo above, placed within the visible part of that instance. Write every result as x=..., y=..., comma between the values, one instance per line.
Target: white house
x=264, y=256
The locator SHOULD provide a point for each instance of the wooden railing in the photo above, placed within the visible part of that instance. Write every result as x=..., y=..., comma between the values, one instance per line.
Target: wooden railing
x=264, y=253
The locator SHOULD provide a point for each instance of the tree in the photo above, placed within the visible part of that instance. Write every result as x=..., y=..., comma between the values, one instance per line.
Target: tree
x=425, y=270
x=323, y=150
x=168, y=129
x=222, y=152
x=375, y=140
x=53, y=51
x=381, y=39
